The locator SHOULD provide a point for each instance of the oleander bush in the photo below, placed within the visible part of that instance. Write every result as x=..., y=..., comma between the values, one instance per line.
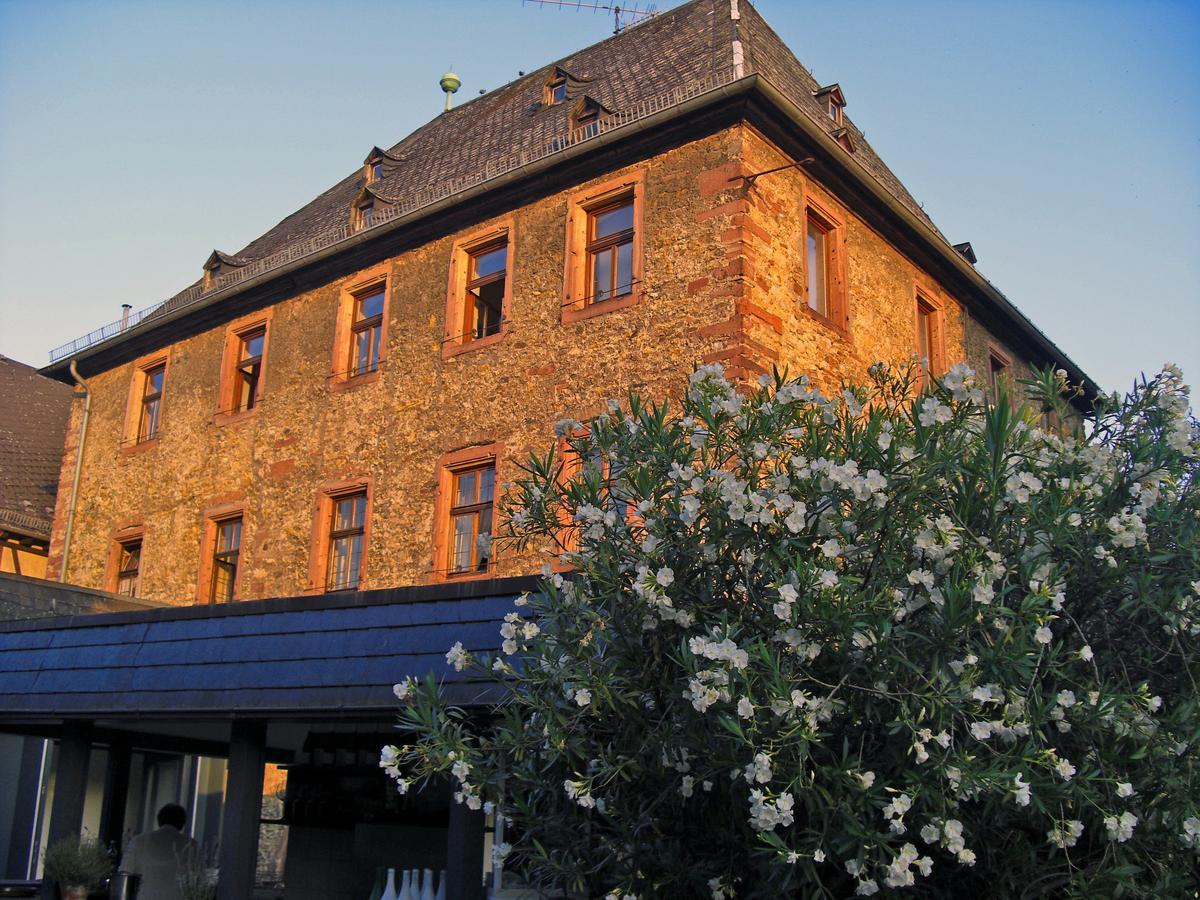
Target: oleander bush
x=825, y=646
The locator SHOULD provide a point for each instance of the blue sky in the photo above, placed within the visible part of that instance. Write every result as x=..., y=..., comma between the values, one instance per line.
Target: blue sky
x=1061, y=137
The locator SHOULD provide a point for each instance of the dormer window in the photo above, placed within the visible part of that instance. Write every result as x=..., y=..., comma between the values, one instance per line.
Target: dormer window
x=833, y=100
x=365, y=215
x=586, y=112
x=219, y=264
x=556, y=91
x=373, y=166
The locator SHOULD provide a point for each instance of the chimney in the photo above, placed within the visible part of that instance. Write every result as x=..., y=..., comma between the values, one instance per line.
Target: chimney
x=125, y=310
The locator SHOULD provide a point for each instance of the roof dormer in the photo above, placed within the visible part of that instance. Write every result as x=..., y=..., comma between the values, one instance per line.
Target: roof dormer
x=844, y=138
x=587, y=111
x=378, y=165
x=365, y=209
x=832, y=100
x=967, y=252
x=218, y=264
x=555, y=89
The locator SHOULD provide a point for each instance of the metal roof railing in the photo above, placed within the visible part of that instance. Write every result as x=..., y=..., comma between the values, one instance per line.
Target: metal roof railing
x=386, y=211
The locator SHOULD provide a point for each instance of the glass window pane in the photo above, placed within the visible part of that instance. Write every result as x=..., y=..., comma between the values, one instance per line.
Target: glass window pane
x=489, y=262
x=625, y=269
x=611, y=221
x=370, y=306
x=485, y=527
x=817, y=280
x=602, y=275
x=224, y=572
x=558, y=92
x=366, y=350
x=465, y=493
x=252, y=345
x=464, y=542
x=488, y=303
x=154, y=380
x=230, y=536
x=487, y=484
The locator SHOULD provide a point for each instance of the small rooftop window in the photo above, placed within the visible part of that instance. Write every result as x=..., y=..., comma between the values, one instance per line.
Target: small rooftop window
x=833, y=100
x=556, y=91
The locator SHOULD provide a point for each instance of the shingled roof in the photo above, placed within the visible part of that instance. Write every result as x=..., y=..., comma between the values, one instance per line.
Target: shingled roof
x=33, y=425
x=684, y=45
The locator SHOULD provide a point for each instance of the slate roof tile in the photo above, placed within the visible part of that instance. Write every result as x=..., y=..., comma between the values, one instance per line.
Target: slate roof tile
x=33, y=427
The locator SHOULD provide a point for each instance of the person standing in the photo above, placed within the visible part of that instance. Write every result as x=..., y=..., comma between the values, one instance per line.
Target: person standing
x=159, y=857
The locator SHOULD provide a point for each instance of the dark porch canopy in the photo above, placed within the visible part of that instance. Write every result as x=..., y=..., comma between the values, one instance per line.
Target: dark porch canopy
x=327, y=655
x=250, y=681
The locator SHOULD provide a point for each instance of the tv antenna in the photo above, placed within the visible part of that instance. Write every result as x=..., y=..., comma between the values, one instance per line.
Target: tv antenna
x=623, y=16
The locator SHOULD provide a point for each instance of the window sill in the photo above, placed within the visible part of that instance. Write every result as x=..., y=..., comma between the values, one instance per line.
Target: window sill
x=840, y=330
x=139, y=447
x=452, y=349
x=444, y=577
x=221, y=419
x=340, y=385
x=579, y=313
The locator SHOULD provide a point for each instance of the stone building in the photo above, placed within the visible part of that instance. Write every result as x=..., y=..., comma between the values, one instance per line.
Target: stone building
x=326, y=416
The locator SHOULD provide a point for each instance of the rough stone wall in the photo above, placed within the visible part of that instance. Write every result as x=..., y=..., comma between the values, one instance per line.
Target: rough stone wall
x=394, y=430
x=723, y=271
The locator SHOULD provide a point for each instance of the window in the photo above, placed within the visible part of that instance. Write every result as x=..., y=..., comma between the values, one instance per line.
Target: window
x=226, y=549
x=929, y=348
x=604, y=248
x=818, y=266
x=470, y=518
x=556, y=91
x=129, y=563
x=366, y=331
x=347, y=529
x=483, y=305
x=152, y=391
x=244, y=367
x=610, y=251
x=835, y=111
x=824, y=264
x=144, y=407
x=248, y=369
x=479, y=291
x=464, y=513
x=366, y=215
x=998, y=366
x=360, y=331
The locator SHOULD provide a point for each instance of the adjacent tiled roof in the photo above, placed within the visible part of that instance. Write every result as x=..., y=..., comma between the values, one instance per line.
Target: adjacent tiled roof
x=336, y=653
x=684, y=45
x=33, y=425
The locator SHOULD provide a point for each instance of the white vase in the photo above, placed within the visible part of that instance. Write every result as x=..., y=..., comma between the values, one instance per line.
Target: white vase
x=441, y=891
x=389, y=892
x=427, y=885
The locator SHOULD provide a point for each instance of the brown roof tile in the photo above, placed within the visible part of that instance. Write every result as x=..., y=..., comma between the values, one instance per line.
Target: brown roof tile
x=680, y=46
x=33, y=425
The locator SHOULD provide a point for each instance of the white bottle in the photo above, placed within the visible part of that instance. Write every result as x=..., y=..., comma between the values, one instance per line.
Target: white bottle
x=441, y=891
x=389, y=892
x=406, y=887
x=427, y=885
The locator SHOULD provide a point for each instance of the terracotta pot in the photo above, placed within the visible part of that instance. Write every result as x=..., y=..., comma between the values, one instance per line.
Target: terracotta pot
x=74, y=892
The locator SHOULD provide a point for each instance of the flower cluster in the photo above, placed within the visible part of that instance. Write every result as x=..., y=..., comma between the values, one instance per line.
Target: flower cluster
x=877, y=638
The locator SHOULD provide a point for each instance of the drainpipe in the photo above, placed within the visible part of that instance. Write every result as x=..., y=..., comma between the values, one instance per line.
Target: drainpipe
x=83, y=427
